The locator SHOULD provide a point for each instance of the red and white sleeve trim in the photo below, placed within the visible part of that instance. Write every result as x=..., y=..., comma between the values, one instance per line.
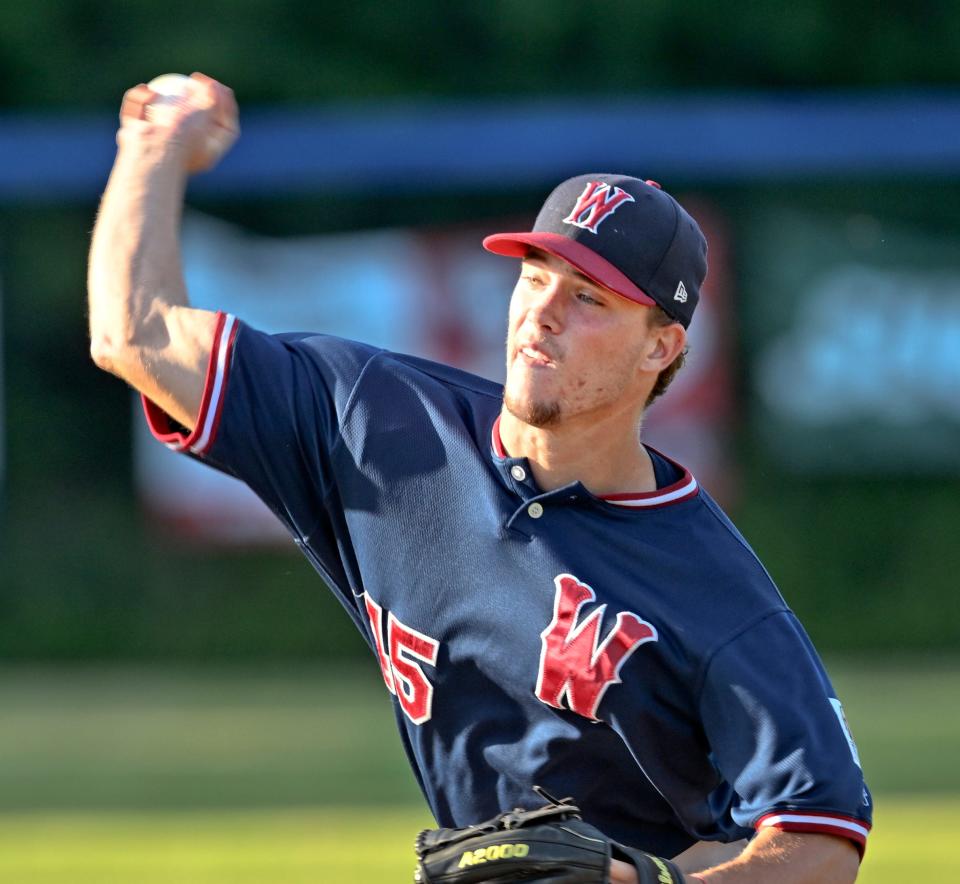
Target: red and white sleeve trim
x=823, y=823
x=211, y=403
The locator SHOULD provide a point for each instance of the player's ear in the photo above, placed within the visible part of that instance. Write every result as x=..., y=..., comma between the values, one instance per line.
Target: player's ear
x=664, y=344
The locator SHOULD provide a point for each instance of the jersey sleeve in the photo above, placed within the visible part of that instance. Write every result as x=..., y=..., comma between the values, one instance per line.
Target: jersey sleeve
x=778, y=735
x=270, y=415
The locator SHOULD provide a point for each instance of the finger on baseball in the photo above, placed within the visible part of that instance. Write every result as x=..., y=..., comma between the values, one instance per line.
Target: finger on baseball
x=229, y=112
x=135, y=101
x=210, y=87
x=221, y=98
x=202, y=77
x=224, y=102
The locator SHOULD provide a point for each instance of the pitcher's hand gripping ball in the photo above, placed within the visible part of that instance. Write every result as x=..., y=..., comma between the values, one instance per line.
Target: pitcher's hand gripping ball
x=549, y=844
x=196, y=112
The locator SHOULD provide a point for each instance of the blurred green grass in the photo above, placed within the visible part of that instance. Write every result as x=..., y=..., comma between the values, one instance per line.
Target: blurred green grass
x=905, y=716
x=319, y=846
x=277, y=775
x=158, y=738
x=347, y=846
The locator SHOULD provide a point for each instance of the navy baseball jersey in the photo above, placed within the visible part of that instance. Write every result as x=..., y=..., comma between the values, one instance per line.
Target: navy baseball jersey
x=630, y=651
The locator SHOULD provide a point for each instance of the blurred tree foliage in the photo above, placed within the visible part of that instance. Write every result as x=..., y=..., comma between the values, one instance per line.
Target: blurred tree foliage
x=84, y=52
x=84, y=576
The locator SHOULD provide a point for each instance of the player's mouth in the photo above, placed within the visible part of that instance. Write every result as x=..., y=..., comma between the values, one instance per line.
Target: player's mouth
x=532, y=355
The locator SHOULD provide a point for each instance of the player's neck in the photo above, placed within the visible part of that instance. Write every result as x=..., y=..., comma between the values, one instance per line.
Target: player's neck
x=606, y=459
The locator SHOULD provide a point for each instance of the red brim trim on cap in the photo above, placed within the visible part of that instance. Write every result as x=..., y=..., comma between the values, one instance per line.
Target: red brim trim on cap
x=587, y=261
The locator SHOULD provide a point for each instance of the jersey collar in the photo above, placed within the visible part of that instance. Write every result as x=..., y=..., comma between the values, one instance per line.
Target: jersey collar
x=683, y=489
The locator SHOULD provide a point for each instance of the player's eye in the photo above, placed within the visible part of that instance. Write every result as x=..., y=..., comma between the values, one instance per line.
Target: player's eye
x=588, y=298
x=532, y=279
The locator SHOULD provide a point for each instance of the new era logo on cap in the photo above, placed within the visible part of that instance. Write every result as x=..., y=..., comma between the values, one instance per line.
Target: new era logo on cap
x=681, y=293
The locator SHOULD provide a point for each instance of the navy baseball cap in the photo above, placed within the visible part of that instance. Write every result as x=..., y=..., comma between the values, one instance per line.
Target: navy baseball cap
x=626, y=234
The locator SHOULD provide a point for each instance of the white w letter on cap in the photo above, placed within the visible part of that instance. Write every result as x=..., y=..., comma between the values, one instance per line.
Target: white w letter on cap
x=597, y=201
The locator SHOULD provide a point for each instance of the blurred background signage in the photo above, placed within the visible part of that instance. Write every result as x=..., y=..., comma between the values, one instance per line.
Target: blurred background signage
x=855, y=339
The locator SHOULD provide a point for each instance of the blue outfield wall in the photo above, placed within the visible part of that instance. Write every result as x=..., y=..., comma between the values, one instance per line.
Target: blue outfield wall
x=464, y=145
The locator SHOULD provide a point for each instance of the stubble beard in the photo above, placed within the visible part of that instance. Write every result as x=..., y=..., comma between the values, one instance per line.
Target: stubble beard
x=536, y=414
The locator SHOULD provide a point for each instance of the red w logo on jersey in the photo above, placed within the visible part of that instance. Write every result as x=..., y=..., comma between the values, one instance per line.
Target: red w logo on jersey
x=573, y=664
x=597, y=201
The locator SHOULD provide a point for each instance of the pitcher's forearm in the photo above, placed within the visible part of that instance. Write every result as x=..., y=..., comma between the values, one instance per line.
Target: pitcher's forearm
x=135, y=272
x=790, y=858
x=142, y=328
x=135, y=279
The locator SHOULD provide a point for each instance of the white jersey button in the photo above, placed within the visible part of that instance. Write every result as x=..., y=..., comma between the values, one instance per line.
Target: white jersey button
x=518, y=472
x=535, y=510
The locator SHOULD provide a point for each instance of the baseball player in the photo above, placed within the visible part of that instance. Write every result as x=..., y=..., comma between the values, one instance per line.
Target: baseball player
x=551, y=603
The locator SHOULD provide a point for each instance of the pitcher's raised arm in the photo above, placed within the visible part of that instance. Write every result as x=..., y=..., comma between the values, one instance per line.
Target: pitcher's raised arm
x=142, y=327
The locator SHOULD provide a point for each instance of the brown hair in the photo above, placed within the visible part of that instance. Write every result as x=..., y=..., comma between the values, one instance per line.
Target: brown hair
x=658, y=318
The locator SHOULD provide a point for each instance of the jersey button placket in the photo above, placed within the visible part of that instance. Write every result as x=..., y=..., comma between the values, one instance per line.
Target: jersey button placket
x=535, y=510
x=518, y=472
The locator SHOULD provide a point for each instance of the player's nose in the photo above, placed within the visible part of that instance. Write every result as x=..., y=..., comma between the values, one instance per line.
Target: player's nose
x=546, y=307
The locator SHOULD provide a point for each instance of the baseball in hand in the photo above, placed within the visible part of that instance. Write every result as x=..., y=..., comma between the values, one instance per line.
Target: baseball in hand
x=198, y=109
x=173, y=91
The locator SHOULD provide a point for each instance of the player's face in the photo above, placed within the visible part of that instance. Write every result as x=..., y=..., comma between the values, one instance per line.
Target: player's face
x=574, y=349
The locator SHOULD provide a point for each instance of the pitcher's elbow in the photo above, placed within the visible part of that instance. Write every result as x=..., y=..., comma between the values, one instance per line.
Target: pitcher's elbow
x=106, y=355
x=100, y=353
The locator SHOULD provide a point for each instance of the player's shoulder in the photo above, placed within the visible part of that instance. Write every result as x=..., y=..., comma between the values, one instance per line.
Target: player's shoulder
x=269, y=348
x=438, y=373
x=719, y=556
x=696, y=516
x=735, y=546
x=728, y=588
x=713, y=512
x=322, y=345
x=331, y=353
x=383, y=361
x=397, y=383
x=411, y=398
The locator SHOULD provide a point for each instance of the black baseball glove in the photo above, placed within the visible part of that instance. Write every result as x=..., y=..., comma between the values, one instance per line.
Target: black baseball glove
x=549, y=844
